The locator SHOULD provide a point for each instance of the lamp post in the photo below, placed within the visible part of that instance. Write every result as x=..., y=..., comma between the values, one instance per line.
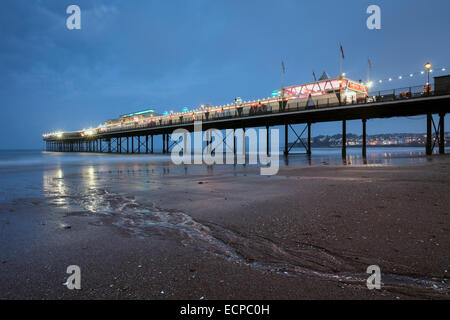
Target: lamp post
x=428, y=67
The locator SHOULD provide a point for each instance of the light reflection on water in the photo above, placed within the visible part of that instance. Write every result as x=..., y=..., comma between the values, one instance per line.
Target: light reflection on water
x=95, y=171
x=28, y=174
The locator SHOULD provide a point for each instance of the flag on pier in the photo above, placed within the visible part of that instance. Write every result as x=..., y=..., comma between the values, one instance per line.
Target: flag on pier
x=282, y=66
x=342, y=50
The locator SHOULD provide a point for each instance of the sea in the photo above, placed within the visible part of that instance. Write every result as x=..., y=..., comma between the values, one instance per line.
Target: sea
x=27, y=173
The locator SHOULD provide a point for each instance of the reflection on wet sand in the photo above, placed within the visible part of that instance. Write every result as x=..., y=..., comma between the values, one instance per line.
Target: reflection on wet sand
x=54, y=186
x=121, y=195
x=148, y=220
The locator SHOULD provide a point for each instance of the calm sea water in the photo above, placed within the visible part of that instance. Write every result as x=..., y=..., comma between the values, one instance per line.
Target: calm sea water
x=27, y=173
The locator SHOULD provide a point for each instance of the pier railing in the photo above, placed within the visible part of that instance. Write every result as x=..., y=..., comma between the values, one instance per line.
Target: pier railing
x=285, y=106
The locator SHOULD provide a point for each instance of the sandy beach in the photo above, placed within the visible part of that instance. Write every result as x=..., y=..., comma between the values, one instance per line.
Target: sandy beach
x=228, y=233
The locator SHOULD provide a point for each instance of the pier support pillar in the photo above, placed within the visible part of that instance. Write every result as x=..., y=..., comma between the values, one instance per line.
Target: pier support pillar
x=428, y=147
x=152, y=143
x=268, y=138
x=364, y=138
x=234, y=141
x=243, y=142
x=128, y=144
x=132, y=144
x=207, y=140
x=441, y=133
x=185, y=143
x=146, y=144
x=286, y=139
x=167, y=143
x=344, y=139
x=164, y=142
x=308, y=151
x=139, y=144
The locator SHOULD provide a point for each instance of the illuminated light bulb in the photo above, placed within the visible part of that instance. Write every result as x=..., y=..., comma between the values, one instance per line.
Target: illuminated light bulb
x=422, y=72
x=390, y=79
x=443, y=69
x=411, y=75
x=344, y=74
x=381, y=81
x=431, y=70
x=400, y=77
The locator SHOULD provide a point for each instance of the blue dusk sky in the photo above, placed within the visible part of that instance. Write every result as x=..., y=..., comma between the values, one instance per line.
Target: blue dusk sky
x=133, y=55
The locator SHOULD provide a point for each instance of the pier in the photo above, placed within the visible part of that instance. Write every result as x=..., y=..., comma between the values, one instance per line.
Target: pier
x=280, y=111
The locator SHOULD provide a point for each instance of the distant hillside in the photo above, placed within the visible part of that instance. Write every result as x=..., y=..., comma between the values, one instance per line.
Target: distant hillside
x=377, y=140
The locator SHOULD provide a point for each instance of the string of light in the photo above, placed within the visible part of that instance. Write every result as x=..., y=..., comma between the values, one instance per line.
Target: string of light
x=408, y=75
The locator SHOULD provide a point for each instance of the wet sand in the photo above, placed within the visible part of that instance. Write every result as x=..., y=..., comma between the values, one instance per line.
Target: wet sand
x=307, y=233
